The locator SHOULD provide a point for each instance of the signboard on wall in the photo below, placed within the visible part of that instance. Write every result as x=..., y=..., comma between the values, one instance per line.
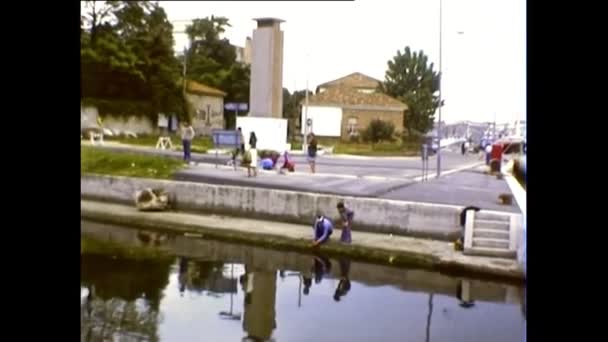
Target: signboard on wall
x=236, y=106
x=271, y=132
x=163, y=121
x=324, y=121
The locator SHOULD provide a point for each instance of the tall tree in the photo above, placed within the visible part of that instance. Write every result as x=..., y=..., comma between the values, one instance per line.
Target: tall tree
x=412, y=80
x=211, y=60
x=127, y=60
x=292, y=107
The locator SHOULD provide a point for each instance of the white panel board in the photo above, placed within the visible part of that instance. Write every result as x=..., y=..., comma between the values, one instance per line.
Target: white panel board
x=271, y=133
x=326, y=121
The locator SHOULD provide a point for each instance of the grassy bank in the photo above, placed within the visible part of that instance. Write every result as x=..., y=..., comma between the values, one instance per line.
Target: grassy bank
x=99, y=161
x=199, y=144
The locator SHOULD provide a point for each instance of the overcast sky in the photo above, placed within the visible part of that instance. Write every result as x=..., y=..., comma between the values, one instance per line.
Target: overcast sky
x=484, y=68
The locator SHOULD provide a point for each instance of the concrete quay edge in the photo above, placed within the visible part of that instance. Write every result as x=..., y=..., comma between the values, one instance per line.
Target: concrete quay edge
x=371, y=247
x=424, y=220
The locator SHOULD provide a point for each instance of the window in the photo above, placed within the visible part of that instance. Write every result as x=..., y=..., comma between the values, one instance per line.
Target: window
x=201, y=114
x=351, y=126
x=366, y=91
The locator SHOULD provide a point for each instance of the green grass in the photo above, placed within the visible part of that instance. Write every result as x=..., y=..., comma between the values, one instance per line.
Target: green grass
x=381, y=149
x=199, y=144
x=99, y=161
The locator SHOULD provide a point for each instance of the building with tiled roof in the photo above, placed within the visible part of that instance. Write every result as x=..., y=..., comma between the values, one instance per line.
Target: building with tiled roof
x=346, y=106
x=206, y=107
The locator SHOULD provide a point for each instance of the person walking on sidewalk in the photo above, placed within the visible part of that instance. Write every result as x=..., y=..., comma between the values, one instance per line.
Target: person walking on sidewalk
x=253, y=141
x=241, y=149
x=346, y=217
x=187, y=136
x=312, y=151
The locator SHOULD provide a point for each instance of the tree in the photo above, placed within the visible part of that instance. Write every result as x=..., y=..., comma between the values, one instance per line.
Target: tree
x=378, y=130
x=128, y=65
x=412, y=80
x=211, y=60
x=292, y=108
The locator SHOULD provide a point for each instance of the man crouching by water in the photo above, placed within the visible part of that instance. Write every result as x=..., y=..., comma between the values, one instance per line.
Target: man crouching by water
x=322, y=230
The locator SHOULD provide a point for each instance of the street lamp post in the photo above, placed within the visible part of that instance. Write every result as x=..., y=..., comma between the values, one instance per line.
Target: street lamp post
x=440, y=86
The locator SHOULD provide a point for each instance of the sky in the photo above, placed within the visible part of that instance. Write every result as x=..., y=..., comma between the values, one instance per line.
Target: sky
x=483, y=48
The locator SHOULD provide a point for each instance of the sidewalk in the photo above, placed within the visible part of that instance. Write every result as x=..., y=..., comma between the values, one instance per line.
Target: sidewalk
x=381, y=248
x=461, y=184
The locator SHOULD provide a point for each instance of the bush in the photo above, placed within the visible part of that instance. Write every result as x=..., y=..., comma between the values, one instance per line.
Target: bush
x=379, y=130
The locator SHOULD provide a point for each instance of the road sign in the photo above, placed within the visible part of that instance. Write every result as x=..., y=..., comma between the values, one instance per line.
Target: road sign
x=236, y=106
x=308, y=122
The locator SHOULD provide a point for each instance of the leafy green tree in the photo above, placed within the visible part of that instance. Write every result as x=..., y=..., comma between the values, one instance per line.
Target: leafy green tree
x=412, y=80
x=292, y=108
x=378, y=131
x=211, y=60
x=128, y=65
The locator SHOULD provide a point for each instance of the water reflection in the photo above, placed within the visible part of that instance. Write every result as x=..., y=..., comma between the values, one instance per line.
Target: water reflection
x=259, y=319
x=344, y=283
x=122, y=297
x=211, y=291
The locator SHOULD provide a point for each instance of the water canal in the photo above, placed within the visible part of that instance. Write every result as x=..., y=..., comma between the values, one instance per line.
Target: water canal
x=144, y=286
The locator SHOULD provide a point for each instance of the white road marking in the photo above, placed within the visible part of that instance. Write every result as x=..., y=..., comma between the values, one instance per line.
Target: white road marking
x=433, y=175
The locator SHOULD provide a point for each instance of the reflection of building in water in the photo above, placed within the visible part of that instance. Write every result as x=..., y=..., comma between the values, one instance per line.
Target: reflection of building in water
x=260, y=296
x=201, y=276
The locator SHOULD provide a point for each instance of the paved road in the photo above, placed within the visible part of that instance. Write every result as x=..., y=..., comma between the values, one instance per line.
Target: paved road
x=391, y=167
x=390, y=178
x=469, y=187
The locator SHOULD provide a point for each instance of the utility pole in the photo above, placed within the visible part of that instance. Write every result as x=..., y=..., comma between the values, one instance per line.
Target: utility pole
x=305, y=140
x=184, y=71
x=440, y=86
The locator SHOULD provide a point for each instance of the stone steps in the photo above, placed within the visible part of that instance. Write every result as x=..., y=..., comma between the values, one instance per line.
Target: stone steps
x=491, y=243
x=491, y=224
x=491, y=216
x=491, y=233
x=492, y=252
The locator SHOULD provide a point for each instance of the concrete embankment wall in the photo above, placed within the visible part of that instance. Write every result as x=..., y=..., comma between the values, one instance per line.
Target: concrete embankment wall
x=375, y=215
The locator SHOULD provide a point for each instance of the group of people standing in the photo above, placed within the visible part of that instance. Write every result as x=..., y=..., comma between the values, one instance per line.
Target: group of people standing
x=250, y=157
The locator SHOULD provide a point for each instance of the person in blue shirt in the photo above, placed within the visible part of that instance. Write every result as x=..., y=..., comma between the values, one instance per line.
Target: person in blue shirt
x=322, y=229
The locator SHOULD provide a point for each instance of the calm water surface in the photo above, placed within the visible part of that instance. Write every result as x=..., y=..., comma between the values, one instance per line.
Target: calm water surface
x=143, y=286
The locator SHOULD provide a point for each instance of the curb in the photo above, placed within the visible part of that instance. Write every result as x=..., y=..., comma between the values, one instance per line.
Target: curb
x=404, y=258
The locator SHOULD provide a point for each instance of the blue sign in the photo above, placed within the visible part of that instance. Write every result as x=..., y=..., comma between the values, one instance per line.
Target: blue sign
x=223, y=138
x=236, y=106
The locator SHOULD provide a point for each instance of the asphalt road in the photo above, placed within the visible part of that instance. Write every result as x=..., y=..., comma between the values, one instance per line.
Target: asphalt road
x=379, y=177
x=389, y=167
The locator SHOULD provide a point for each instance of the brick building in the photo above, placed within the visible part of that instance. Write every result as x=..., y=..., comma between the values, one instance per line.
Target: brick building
x=344, y=107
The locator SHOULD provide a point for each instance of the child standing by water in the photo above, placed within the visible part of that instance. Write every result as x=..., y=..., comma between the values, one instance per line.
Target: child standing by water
x=346, y=216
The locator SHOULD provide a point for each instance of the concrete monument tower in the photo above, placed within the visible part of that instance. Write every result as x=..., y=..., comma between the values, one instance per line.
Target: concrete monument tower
x=266, y=89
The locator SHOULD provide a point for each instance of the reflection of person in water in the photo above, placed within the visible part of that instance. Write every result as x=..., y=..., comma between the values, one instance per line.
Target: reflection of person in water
x=259, y=309
x=321, y=267
x=344, y=284
x=183, y=275
x=463, y=293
